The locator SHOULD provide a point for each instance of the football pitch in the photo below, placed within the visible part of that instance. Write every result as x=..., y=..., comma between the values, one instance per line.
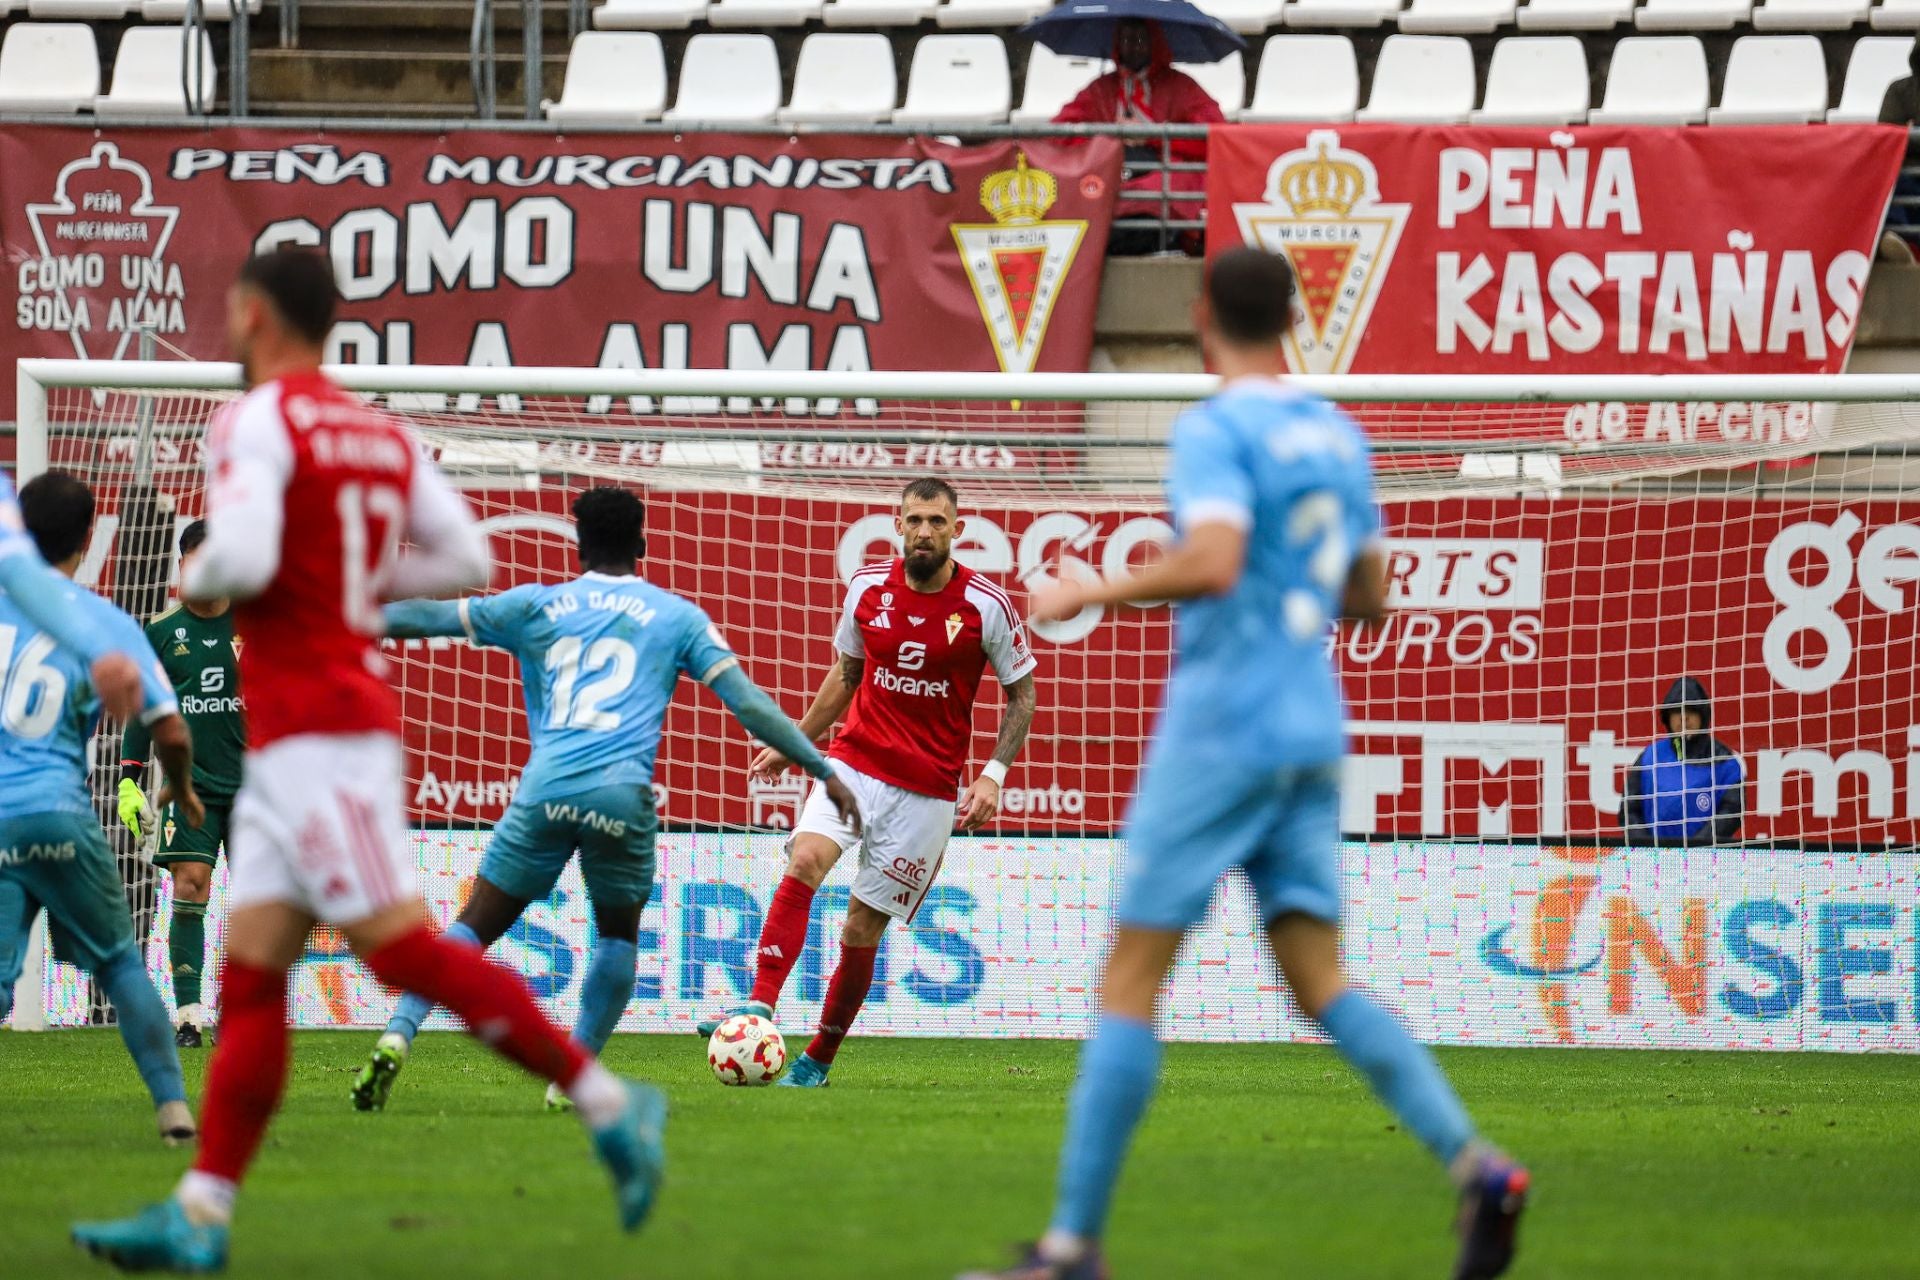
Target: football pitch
x=930, y=1156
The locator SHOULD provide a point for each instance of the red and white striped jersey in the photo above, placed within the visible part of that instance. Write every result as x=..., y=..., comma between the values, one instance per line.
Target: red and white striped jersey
x=911, y=720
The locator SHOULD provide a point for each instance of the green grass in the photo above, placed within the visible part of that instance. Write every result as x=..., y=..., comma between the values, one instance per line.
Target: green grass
x=928, y=1156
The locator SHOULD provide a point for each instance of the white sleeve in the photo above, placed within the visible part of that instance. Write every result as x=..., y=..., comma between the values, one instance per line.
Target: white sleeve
x=249, y=463
x=1002, y=634
x=448, y=554
x=846, y=637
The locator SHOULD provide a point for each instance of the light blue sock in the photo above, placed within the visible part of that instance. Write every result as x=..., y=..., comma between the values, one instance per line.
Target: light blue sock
x=605, y=990
x=143, y=1025
x=1403, y=1074
x=1118, y=1069
x=412, y=1009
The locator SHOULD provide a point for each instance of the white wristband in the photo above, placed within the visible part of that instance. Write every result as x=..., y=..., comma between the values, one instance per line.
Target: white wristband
x=995, y=770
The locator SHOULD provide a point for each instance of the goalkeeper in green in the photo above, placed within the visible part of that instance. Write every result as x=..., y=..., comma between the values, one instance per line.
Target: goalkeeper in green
x=197, y=647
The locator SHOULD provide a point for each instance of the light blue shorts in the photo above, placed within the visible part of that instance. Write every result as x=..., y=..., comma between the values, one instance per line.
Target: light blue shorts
x=1190, y=826
x=60, y=861
x=612, y=828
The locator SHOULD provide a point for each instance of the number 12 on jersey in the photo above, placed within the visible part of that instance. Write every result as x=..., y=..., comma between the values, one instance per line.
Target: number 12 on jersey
x=609, y=665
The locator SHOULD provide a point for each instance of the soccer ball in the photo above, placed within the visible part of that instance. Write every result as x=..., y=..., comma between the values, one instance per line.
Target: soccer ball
x=746, y=1049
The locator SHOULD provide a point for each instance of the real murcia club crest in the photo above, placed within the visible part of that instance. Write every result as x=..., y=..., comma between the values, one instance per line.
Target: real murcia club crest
x=1322, y=211
x=1019, y=262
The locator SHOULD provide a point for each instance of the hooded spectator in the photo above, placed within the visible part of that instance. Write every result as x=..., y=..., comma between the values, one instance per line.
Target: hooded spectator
x=1687, y=787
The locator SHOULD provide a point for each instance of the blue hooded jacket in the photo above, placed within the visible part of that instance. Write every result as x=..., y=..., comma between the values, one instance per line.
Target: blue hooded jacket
x=1686, y=788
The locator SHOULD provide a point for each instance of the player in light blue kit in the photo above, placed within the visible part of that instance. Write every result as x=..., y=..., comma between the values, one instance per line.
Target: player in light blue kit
x=53, y=853
x=599, y=659
x=1272, y=495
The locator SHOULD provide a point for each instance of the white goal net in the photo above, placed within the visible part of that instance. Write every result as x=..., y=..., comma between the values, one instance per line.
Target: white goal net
x=1562, y=552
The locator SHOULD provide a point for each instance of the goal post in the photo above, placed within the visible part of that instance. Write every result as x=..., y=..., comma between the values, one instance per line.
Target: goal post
x=1561, y=550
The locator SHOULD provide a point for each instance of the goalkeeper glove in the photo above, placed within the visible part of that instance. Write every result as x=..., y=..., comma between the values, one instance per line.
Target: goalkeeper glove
x=133, y=806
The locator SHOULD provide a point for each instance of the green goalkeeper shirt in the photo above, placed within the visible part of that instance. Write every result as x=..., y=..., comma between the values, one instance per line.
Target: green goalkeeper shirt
x=204, y=667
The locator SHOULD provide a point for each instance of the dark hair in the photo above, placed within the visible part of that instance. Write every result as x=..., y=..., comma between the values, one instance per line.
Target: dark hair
x=57, y=508
x=610, y=522
x=1250, y=293
x=299, y=283
x=192, y=536
x=928, y=488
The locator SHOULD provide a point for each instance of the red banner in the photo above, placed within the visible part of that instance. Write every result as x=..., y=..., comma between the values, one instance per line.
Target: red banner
x=703, y=252
x=1604, y=250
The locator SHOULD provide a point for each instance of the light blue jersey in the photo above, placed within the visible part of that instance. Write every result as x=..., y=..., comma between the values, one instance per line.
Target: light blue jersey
x=1251, y=679
x=49, y=710
x=599, y=659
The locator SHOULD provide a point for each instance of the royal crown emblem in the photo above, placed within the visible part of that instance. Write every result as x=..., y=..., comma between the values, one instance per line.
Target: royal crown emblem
x=1018, y=262
x=1019, y=196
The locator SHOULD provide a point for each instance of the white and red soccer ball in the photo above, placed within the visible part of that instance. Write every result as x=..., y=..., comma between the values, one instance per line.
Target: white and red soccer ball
x=746, y=1049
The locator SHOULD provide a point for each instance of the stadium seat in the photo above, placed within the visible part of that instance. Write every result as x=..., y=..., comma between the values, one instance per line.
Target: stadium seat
x=1573, y=15
x=613, y=77
x=763, y=13
x=842, y=79
x=1052, y=82
x=1875, y=63
x=1655, y=80
x=176, y=10
x=1809, y=15
x=877, y=13
x=1339, y=13
x=1537, y=80
x=989, y=13
x=957, y=79
x=49, y=66
x=149, y=74
x=730, y=79
x=1456, y=17
x=1307, y=79
x=79, y=10
x=1421, y=80
x=1896, y=15
x=1773, y=80
x=1251, y=17
x=1691, y=15
x=645, y=15
x=1225, y=81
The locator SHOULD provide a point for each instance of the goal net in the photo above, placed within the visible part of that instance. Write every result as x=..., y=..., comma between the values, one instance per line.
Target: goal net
x=1562, y=552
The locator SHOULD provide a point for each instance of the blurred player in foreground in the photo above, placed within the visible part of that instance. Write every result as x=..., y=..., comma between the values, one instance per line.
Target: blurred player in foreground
x=915, y=634
x=53, y=853
x=1272, y=494
x=311, y=494
x=599, y=659
x=196, y=647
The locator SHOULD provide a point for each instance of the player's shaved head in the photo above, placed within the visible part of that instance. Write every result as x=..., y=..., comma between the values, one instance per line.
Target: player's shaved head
x=192, y=536
x=298, y=284
x=1249, y=296
x=611, y=523
x=57, y=508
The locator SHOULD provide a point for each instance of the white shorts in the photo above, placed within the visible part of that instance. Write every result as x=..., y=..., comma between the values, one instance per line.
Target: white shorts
x=320, y=823
x=899, y=851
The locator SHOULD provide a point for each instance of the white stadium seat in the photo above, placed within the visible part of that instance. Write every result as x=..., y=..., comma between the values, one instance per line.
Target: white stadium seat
x=1875, y=63
x=958, y=79
x=1896, y=15
x=613, y=77
x=731, y=79
x=1537, y=80
x=989, y=13
x=1306, y=78
x=1573, y=15
x=79, y=10
x=1248, y=16
x=1421, y=80
x=176, y=10
x=1052, y=82
x=763, y=13
x=1456, y=17
x=648, y=15
x=1225, y=81
x=1773, y=80
x=49, y=66
x=150, y=72
x=876, y=13
x=1809, y=15
x=1340, y=13
x=1691, y=15
x=1655, y=80
x=842, y=79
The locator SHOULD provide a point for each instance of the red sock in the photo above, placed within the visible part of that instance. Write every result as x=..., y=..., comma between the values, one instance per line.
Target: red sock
x=496, y=1006
x=248, y=1072
x=845, y=994
x=782, y=938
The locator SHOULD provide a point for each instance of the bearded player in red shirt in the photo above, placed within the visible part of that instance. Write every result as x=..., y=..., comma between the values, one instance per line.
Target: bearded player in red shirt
x=915, y=634
x=311, y=496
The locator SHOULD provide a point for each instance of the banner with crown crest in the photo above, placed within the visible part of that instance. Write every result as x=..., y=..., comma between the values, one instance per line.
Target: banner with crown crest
x=1580, y=250
x=697, y=251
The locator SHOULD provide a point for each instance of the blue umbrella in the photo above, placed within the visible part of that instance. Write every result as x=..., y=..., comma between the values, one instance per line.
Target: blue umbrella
x=1084, y=28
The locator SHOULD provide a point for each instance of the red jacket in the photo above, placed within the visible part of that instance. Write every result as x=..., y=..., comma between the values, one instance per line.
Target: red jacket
x=1159, y=95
